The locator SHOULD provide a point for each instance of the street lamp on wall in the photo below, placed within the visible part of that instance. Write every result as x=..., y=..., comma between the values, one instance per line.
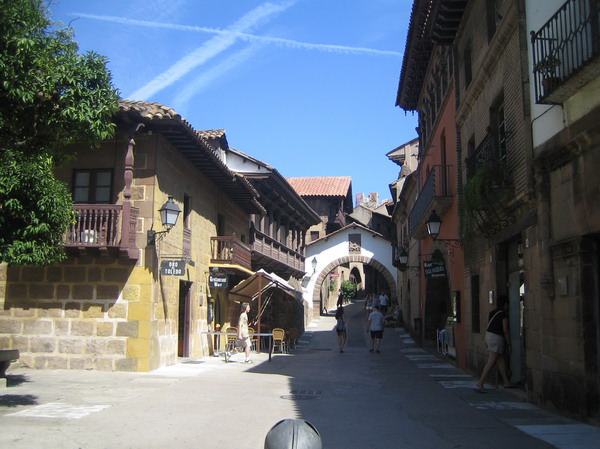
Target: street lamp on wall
x=434, y=223
x=402, y=260
x=314, y=265
x=169, y=213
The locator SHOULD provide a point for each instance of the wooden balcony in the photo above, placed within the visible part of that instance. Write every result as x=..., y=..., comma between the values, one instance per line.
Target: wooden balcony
x=230, y=250
x=273, y=255
x=104, y=227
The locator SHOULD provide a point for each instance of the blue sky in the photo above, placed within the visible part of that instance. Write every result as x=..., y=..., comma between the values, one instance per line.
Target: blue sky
x=307, y=86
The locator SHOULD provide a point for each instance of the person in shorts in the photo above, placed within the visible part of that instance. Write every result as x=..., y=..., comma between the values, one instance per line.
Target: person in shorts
x=340, y=328
x=243, y=333
x=497, y=339
x=375, y=327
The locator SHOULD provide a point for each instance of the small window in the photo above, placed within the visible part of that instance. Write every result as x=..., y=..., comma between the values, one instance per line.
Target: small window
x=187, y=209
x=314, y=235
x=354, y=243
x=468, y=68
x=220, y=225
x=501, y=130
x=92, y=186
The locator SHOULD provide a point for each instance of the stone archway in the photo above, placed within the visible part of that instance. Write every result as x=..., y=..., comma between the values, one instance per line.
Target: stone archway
x=387, y=275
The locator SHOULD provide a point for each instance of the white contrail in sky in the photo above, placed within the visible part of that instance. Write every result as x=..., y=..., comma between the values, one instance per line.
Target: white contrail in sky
x=244, y=36
x=212, y=74
x=208, y=50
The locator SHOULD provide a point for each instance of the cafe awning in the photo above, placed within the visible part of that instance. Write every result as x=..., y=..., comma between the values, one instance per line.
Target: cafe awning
x=259, y=282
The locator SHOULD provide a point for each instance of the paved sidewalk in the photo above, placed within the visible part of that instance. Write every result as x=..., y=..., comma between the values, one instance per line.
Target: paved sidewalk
x=405, y=397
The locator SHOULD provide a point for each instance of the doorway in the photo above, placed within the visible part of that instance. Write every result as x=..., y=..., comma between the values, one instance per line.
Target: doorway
x=183, y=325
x=512, y=253
x=516, y=293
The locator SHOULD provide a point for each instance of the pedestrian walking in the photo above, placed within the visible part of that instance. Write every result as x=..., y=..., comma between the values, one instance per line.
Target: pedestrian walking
x=384, y=302
x=243, y=333
x=341, y=328
x=340, y=300
x=375, y=327
x=369, y=304
x=497, y=339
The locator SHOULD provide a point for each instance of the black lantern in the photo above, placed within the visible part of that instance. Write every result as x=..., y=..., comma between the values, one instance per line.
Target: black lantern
x=169, y=213
x=433, y=225
x=314, y=264
x=402, y=257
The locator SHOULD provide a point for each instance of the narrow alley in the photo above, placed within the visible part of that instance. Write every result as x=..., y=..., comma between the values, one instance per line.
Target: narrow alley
x=404, y=397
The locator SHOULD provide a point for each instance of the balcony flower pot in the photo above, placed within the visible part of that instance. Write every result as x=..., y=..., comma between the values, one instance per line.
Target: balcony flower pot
x=550, y=84
x=547, y=68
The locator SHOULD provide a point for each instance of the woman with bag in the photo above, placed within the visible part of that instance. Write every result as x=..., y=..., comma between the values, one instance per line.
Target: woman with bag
x=497, y=339
x=340, y=328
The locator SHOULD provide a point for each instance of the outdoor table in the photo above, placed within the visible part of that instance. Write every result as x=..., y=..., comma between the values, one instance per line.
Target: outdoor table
x=257, y=334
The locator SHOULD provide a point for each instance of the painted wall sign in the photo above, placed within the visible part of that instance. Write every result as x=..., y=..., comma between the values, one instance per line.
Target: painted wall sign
x=218, y=280
x=172, y=267
x=434, y=268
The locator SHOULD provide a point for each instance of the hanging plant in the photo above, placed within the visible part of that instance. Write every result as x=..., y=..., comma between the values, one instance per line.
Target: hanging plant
x=481, y=194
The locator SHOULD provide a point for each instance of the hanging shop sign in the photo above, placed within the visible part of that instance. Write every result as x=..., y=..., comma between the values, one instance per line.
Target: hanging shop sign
x=217, y=279
x=172, y=267
x=434, y=268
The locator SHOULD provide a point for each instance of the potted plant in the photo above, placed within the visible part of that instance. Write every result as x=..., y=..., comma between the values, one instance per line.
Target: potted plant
x=547, y=67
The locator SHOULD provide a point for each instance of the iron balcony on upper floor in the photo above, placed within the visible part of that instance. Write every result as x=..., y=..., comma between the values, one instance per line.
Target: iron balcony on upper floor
x=436, y=194
x=566, y=51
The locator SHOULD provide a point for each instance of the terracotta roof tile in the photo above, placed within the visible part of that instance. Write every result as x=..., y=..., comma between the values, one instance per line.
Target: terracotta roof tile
x=212, y=133
x=149, y=110
x=322, y=185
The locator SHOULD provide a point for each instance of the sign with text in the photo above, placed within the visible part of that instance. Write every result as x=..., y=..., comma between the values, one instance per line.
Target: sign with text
x=434, y=268
x=172, y=267
x=217, y=279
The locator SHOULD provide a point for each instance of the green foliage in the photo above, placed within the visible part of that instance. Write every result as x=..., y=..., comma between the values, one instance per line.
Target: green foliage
x=348, y=289
x=481, y=193
x=35, y=211
x=547, y=66
x=50, y=97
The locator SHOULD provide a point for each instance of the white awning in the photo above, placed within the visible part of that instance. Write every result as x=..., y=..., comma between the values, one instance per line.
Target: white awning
x=259, y=282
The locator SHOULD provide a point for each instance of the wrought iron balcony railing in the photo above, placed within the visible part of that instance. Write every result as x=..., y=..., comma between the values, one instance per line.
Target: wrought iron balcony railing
x=435, y=194
x=486, y=155
x=565, y=46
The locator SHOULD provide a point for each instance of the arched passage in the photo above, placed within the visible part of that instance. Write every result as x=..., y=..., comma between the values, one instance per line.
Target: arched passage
x=387, y=275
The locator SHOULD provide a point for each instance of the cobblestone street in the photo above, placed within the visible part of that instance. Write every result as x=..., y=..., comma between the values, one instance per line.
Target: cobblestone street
x=404, y=397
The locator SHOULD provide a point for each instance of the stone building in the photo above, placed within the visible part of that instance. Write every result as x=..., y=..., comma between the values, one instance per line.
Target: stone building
x=525, y=88
x=427, y=85
x=563, y=322
x=330, y=197
x=131, y=296
x=276, y=238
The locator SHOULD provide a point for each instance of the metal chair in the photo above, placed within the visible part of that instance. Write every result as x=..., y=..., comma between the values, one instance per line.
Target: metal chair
x=279, y=340
x=231, y=339
x=253, y=338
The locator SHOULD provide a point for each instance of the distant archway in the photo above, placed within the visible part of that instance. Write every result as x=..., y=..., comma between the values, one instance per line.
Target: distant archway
x=387, y=275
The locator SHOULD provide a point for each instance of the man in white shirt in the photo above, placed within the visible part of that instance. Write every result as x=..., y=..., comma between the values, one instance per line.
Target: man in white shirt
x=375, y=327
